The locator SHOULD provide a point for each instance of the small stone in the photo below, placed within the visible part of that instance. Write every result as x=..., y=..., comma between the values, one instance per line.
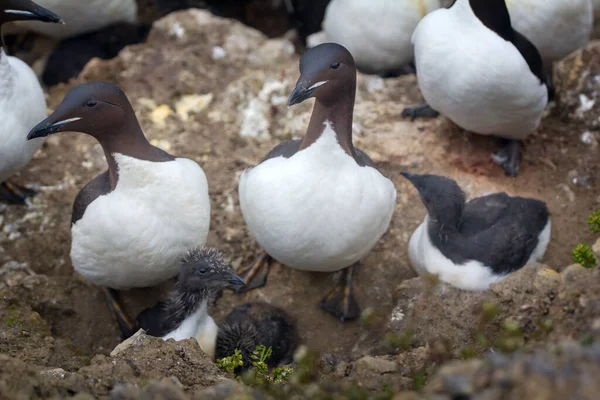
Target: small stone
x=547, y=280
x=596, y=249
x=573, y=272
x=375, y=364
x=138, y=337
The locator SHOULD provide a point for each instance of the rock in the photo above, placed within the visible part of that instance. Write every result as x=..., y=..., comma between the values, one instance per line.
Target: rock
x=554, y=374
x=20, y=381
x=372, y=373
x=149, y=358
x=137, y=339
x=165, y=389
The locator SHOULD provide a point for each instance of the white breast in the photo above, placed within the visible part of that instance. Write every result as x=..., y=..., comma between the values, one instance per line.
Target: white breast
x=135, y=235
x=22, y=106
x=82, y=16
x=376, y=32
x=426, y=258
x=199, y=326
x=474, y=77
x=556, y=27
x=317, y=210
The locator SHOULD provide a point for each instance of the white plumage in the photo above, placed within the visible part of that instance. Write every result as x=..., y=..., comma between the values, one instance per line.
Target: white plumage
x=317, y=210
x=376, y=32
x=555, y=27
x=472, y=275
x=199, y=326
x=22, y=106
x=474, y=77
x=135, y=235
x=82, y=16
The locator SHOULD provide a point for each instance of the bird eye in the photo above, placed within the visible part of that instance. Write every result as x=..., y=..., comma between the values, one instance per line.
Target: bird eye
x=91, y=103
x=202, y=271
x=335, y=65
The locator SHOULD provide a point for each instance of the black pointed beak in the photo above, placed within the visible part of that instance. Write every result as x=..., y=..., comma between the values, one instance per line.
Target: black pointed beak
x=32, y=12
x=234, y=282
x=301, y=92
x=407, y=175
x=48, y=126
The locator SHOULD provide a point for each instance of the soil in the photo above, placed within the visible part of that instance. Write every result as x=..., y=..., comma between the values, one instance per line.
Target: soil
x=245, y=78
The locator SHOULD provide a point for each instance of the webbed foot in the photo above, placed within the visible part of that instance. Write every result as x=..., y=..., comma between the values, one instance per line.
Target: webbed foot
x=341, y=302
x=422, y=111
x=508, y=158
x=126, y=327
x=256, y=276
x=11, y=193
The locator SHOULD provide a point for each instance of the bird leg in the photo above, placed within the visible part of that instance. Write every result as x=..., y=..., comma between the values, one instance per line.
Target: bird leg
x=11, y=193
x=340, y=301
x=256, y=276
x=508, y=157
x=550, y=86
x=422, y=111
x=125, y=325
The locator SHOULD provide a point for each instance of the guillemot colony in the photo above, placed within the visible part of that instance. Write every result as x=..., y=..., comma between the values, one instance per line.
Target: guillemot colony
x=132, y=223
x=22, y=102
x=475, y=69
x=473, y=244
x=319, y=204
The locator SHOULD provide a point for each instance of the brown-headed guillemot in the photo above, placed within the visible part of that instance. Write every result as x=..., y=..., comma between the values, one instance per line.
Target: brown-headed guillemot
x=319, y=204
x=471, y=245
x=257, y=324
x=22, y=102
x=184, y=314
x=132, y=223
x=478, y=71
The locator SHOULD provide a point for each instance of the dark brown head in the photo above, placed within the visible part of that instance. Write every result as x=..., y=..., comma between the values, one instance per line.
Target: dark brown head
x=206, y=269
x=99, y=109
x=25, y=10
x=325, y=71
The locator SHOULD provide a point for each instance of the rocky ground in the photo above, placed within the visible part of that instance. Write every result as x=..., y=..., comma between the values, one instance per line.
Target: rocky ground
x=214, y=90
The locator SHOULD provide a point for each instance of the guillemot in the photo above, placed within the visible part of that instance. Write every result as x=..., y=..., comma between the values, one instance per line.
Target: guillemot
x=319, y=204
x=22, y=102
x=475, y=69
x=84, y=16
x=254, y=324
x=377, y=32
x=131, y=224
x=473, y=245
x=184, y=314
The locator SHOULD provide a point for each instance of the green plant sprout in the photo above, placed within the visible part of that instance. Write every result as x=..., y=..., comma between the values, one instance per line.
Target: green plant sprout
x=584, y=256
x=231, y=363
x=259, y=373
x=594, y=222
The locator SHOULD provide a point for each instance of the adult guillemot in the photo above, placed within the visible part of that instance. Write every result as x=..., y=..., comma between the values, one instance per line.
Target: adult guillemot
x=257, y=324
x=132, y=223
x=473, y=245
x=84, y=16
x=475, y=69
x=184, y=314
x=319, y=204
x=376, y=32
x=22, y=102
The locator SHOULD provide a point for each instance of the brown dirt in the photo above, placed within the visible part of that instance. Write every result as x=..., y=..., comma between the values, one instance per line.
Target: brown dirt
x=257, y=74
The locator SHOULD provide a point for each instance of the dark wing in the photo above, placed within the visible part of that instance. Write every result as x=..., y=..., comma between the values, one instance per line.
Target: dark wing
x=531, y=54
x=153, y=321
x=507, y=244
x=284, y=149
x=494, y=15
x=97, y=187
x=481, y=213
x=306, y=16
x=363, y=159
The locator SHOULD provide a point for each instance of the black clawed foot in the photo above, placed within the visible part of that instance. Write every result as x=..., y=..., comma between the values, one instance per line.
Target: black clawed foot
x=256, y=276
x=126, y=327
x=11, y=193
x=550, y=87
x=408, y=69
x=340, y=302
x=423, y=111
x=508, y=158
